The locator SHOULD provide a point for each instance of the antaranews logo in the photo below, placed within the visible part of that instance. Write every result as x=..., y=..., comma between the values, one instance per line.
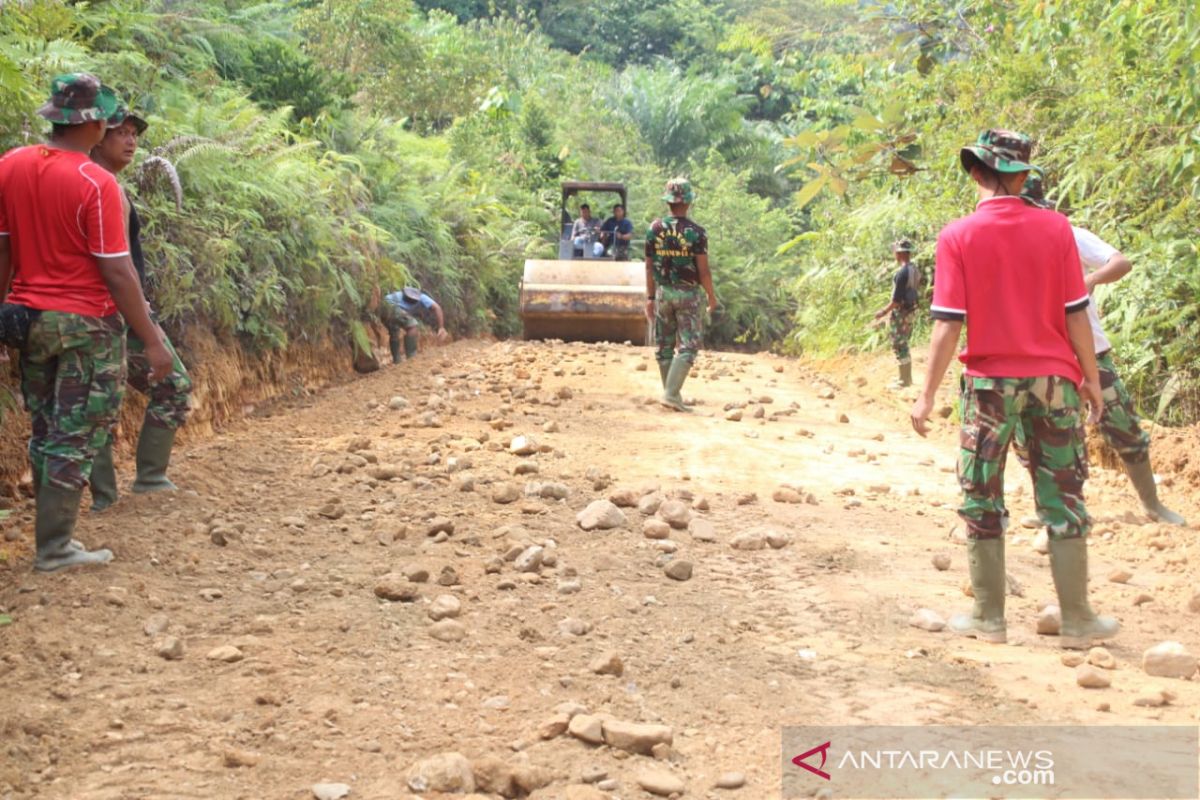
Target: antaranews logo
x=820, y=772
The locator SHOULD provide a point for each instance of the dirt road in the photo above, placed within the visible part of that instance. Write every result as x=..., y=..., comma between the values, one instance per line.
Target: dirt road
x=240, y=647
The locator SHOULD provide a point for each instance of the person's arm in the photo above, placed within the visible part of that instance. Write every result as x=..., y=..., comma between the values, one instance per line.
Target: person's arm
x=706, y=281
x=942, y=345
x=883, y=312
x=441, y=320
x=1079, y=329
x=1117, y=267
x=122, y=281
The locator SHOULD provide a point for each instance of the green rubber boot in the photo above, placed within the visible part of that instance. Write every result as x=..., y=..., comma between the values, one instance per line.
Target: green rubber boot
x=103, y=482
x=1080, y=625
x=676, y=375
x=394, y=346
x=985, y=558
x=57, y=511
x=1141, y=475
x=664, y=368
x=410, y=344
x=153, y=457
x=903, y=377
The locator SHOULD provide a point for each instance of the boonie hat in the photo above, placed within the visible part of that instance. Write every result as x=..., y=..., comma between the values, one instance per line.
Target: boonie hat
x=411, y=294
x=1034, y=190
x=679, y=190
x=78, y=97
x=123, y=115
x=1003, y=151
x=902, y=246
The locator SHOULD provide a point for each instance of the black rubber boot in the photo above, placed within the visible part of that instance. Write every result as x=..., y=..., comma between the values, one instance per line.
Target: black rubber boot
x=985, y=558
x=1080, y=625
x=153, y=458
x=394, y=346
x=672, y=398
x=57, y=511
x=103, y=482
x=410, y=344
x=1141, y=475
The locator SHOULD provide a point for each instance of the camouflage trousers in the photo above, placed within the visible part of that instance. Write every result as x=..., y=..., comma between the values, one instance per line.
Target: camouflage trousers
x=170, y=399
x=901, y=326
x=73, y=380
x=1120, y=424
x=1044, y=414
x=679, y=316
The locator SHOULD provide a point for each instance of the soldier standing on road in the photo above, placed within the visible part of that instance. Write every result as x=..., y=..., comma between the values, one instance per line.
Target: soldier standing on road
x=65, y=252
x=169, y=400
x=677, y=281
x=1011, y=272
x=1120, y=425
x=906, y=285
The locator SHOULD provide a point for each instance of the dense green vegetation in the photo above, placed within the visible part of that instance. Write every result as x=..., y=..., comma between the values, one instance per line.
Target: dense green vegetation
x=304, y=154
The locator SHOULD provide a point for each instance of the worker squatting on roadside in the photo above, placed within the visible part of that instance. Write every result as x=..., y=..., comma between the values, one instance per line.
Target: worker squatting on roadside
x=400, y=312
x=1010, y=271
x=677, y=281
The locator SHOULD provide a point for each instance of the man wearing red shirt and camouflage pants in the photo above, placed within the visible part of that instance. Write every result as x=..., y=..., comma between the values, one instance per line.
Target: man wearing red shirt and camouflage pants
x=65, y=255
x=1010, y=271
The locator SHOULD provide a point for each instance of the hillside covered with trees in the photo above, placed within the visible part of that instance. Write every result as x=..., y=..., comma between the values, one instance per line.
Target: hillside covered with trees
x=303, y=154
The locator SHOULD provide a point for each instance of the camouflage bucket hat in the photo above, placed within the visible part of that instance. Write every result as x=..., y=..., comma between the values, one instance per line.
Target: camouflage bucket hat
x=123, y=115
x=1034, y=190
x=902, y=246
x=1003, y=151
x=679, y=190
x=78, y=97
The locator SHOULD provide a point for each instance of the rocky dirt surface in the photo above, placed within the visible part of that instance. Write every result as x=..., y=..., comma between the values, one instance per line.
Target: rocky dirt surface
x=504, y=571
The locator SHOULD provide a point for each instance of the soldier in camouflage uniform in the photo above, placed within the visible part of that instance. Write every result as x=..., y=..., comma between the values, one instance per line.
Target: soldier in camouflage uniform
x=1120, y=425
x=170, y=398
x=1011, y=273
x=903, y=307
x=64, y=254
x=677, y=282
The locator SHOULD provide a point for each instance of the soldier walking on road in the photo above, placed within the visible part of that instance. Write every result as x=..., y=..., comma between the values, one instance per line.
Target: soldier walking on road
x=1011, y=272
x=677, y=282
x=65, y=252
x=906, y=286
x=1120, y=425
x=169, y=400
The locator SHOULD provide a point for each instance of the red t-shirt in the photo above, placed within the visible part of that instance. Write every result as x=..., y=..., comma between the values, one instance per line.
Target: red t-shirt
x=1012, y=272
x=60, y=210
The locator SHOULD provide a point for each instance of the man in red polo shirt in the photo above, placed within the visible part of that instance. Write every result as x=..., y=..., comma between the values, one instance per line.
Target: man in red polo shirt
x=65, y=256
x=1010, y=271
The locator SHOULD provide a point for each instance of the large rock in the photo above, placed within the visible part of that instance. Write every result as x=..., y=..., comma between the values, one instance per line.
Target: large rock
x=446, y=606
x=446, y=772
x=702, y=530
x=1169, y=660
x=927, y=620
x=1090, y=677
x=661, y=782
x=587, y=728
x=678, y=570
x=1049, y=621
x=608, y=663
x=396, y=588
x=494, y=775
x=600, y=515
x=749, y=540
x=330, y=791
x=523, y=446
x=675, y=513
x=636, y=737
x=624, y=497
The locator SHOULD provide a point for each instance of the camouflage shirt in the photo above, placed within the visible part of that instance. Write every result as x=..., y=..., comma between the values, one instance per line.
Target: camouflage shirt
x=672, y=245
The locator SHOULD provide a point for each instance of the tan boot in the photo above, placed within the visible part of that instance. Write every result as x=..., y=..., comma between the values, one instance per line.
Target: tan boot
x=985, y=558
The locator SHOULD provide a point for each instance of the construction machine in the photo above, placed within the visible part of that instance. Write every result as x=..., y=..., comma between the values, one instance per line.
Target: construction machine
x=581, y=296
